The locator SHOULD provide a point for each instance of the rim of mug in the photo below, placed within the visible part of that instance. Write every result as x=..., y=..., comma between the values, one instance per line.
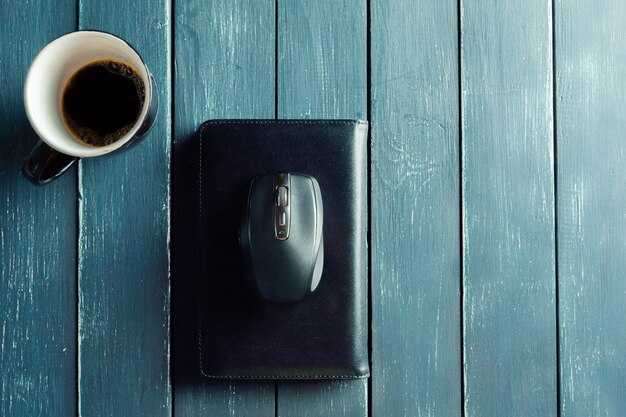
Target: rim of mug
x=85, y=150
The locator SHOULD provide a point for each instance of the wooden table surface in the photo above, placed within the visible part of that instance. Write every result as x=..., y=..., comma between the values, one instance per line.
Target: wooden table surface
x=497, y=207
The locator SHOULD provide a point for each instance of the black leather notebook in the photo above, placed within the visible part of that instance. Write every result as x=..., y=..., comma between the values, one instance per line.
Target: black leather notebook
x=325, y=335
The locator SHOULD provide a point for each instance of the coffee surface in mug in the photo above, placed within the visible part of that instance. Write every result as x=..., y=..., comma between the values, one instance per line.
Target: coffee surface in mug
x=102, y=101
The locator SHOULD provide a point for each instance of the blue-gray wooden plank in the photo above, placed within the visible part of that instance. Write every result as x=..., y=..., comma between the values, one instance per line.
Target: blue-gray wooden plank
x=37, y=236
x=416, y=359
x=123, y=265
x=591, y=172
x=224, y=68
x=508, y=209
x=322, y=73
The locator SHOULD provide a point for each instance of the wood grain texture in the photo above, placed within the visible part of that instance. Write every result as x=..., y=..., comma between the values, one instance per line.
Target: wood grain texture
x=322, y=74
x=322, y=59
x=508, y=209
x=124, y=293
x=318, y=398
x=591, y=169
x=224, y=68
x=37, y=236
x=415, y=209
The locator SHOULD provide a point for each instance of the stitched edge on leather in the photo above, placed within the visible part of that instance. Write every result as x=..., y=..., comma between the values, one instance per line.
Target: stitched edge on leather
x=198, y=267
x=359, y=123
x=285, y=376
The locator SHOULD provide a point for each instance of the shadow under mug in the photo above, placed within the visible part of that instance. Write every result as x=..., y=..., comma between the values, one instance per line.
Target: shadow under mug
x=43, y=93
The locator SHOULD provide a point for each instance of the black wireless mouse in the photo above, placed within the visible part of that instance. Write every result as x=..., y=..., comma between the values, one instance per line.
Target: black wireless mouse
x=281, y=236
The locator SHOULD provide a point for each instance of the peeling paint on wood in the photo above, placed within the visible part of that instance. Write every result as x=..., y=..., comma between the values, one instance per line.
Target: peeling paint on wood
x=124, y=290
x=224, y=69
x=416, y=368
x=591, y=150
x=37, y=236
x=322, y=73
x=508, y=209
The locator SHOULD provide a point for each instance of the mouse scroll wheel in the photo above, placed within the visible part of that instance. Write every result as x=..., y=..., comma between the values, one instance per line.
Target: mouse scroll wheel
x=282, y=199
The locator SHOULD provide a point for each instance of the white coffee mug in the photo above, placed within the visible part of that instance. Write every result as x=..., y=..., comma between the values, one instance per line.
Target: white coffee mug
x=43, y=94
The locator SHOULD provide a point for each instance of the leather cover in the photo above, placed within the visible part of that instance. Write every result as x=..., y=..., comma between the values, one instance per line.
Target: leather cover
x=324, y=336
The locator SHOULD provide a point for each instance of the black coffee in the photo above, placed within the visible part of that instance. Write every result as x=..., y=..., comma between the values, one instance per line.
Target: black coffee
x=102, y=102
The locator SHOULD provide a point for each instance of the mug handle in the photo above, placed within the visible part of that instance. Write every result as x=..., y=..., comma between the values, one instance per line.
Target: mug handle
x=46, y=164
